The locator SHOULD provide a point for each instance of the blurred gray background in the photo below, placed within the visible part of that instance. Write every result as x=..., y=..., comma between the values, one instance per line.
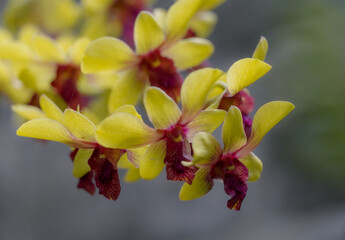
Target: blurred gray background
x=301, y=194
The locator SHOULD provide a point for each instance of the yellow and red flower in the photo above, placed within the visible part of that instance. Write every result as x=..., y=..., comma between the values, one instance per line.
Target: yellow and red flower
x=235, y=163
x=91, y=160
x=160, y=54
x=170, y=139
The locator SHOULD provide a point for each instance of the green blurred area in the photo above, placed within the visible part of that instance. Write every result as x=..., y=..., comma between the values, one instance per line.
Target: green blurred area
x=306, y=51
x=312, y=75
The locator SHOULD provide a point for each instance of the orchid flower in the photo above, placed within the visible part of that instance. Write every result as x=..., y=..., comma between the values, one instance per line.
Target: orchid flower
x=169, y=140
x=112, y=18
x=53, y=16
x=235, y=163
x=160, y=54
x=91, y=160
x=52, y=67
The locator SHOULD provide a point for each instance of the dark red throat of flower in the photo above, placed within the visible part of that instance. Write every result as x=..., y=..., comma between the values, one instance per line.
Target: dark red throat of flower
x=162, y=73
x=235, y=184
x=242, y=100
x=105, y=173
x=245, y=103
x=178, y=150
x=65, y=85
x=103, y=164
x=190, y=34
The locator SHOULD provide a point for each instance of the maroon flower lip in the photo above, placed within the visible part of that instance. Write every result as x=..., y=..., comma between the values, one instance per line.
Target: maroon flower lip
x=235, y=184
x=103, y=174
x=178, y=150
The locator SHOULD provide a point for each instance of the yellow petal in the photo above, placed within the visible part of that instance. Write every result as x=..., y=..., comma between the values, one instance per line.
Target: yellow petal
x=80, y=164
x=127, y=90
x=152, y=162
x=178, y=17
x=203, y=24
x=206, y=121
x=261, y=49
x=161, y=109
x=5, y=35
x=124, y=162
x=160, y=15
x=28, y=112
x=123, y=131
x=135, y=155
x=66, y=42
x=45, y=128
x=147, y=33
x=91, y=115
x=128, y=109
x=51, y=110
x=189, y=52
x=264, y=120
x=99, y=26
x=195, y=89
x=38, y=77
x=27, y=33
x=107, y=54
x=244, y=72
x=234, y=136
x=59, y=15
x=77, y=50
x=210, y=4
x=254, y=166
x=133, y=173
x=48, y=49
x=81, y=127
x=206, y=149
x=15, y=51
x=216, y=95
x=219, y=87
x=95, y=6
x=201, y=185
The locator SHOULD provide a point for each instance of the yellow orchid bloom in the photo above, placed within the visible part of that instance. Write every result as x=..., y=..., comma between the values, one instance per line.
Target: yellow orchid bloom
x=65, y=87
x=10, y=84
x=230, y=89
x=160, y=54
x=234, y=164
x=174, y=129
x=91, y=160
x=49, y=66
x=53, y=16
x=49, y=123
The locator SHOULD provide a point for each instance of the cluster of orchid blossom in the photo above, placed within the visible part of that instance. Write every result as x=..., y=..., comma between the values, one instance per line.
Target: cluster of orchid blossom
x=76, y=72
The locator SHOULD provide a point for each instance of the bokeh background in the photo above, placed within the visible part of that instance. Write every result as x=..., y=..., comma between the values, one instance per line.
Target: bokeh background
x=301, y=194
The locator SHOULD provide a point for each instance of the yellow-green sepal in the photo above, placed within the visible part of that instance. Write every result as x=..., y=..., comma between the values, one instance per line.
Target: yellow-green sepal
x=152, y=163
x=200, y=186
x=80, y=163
x=244, y=72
